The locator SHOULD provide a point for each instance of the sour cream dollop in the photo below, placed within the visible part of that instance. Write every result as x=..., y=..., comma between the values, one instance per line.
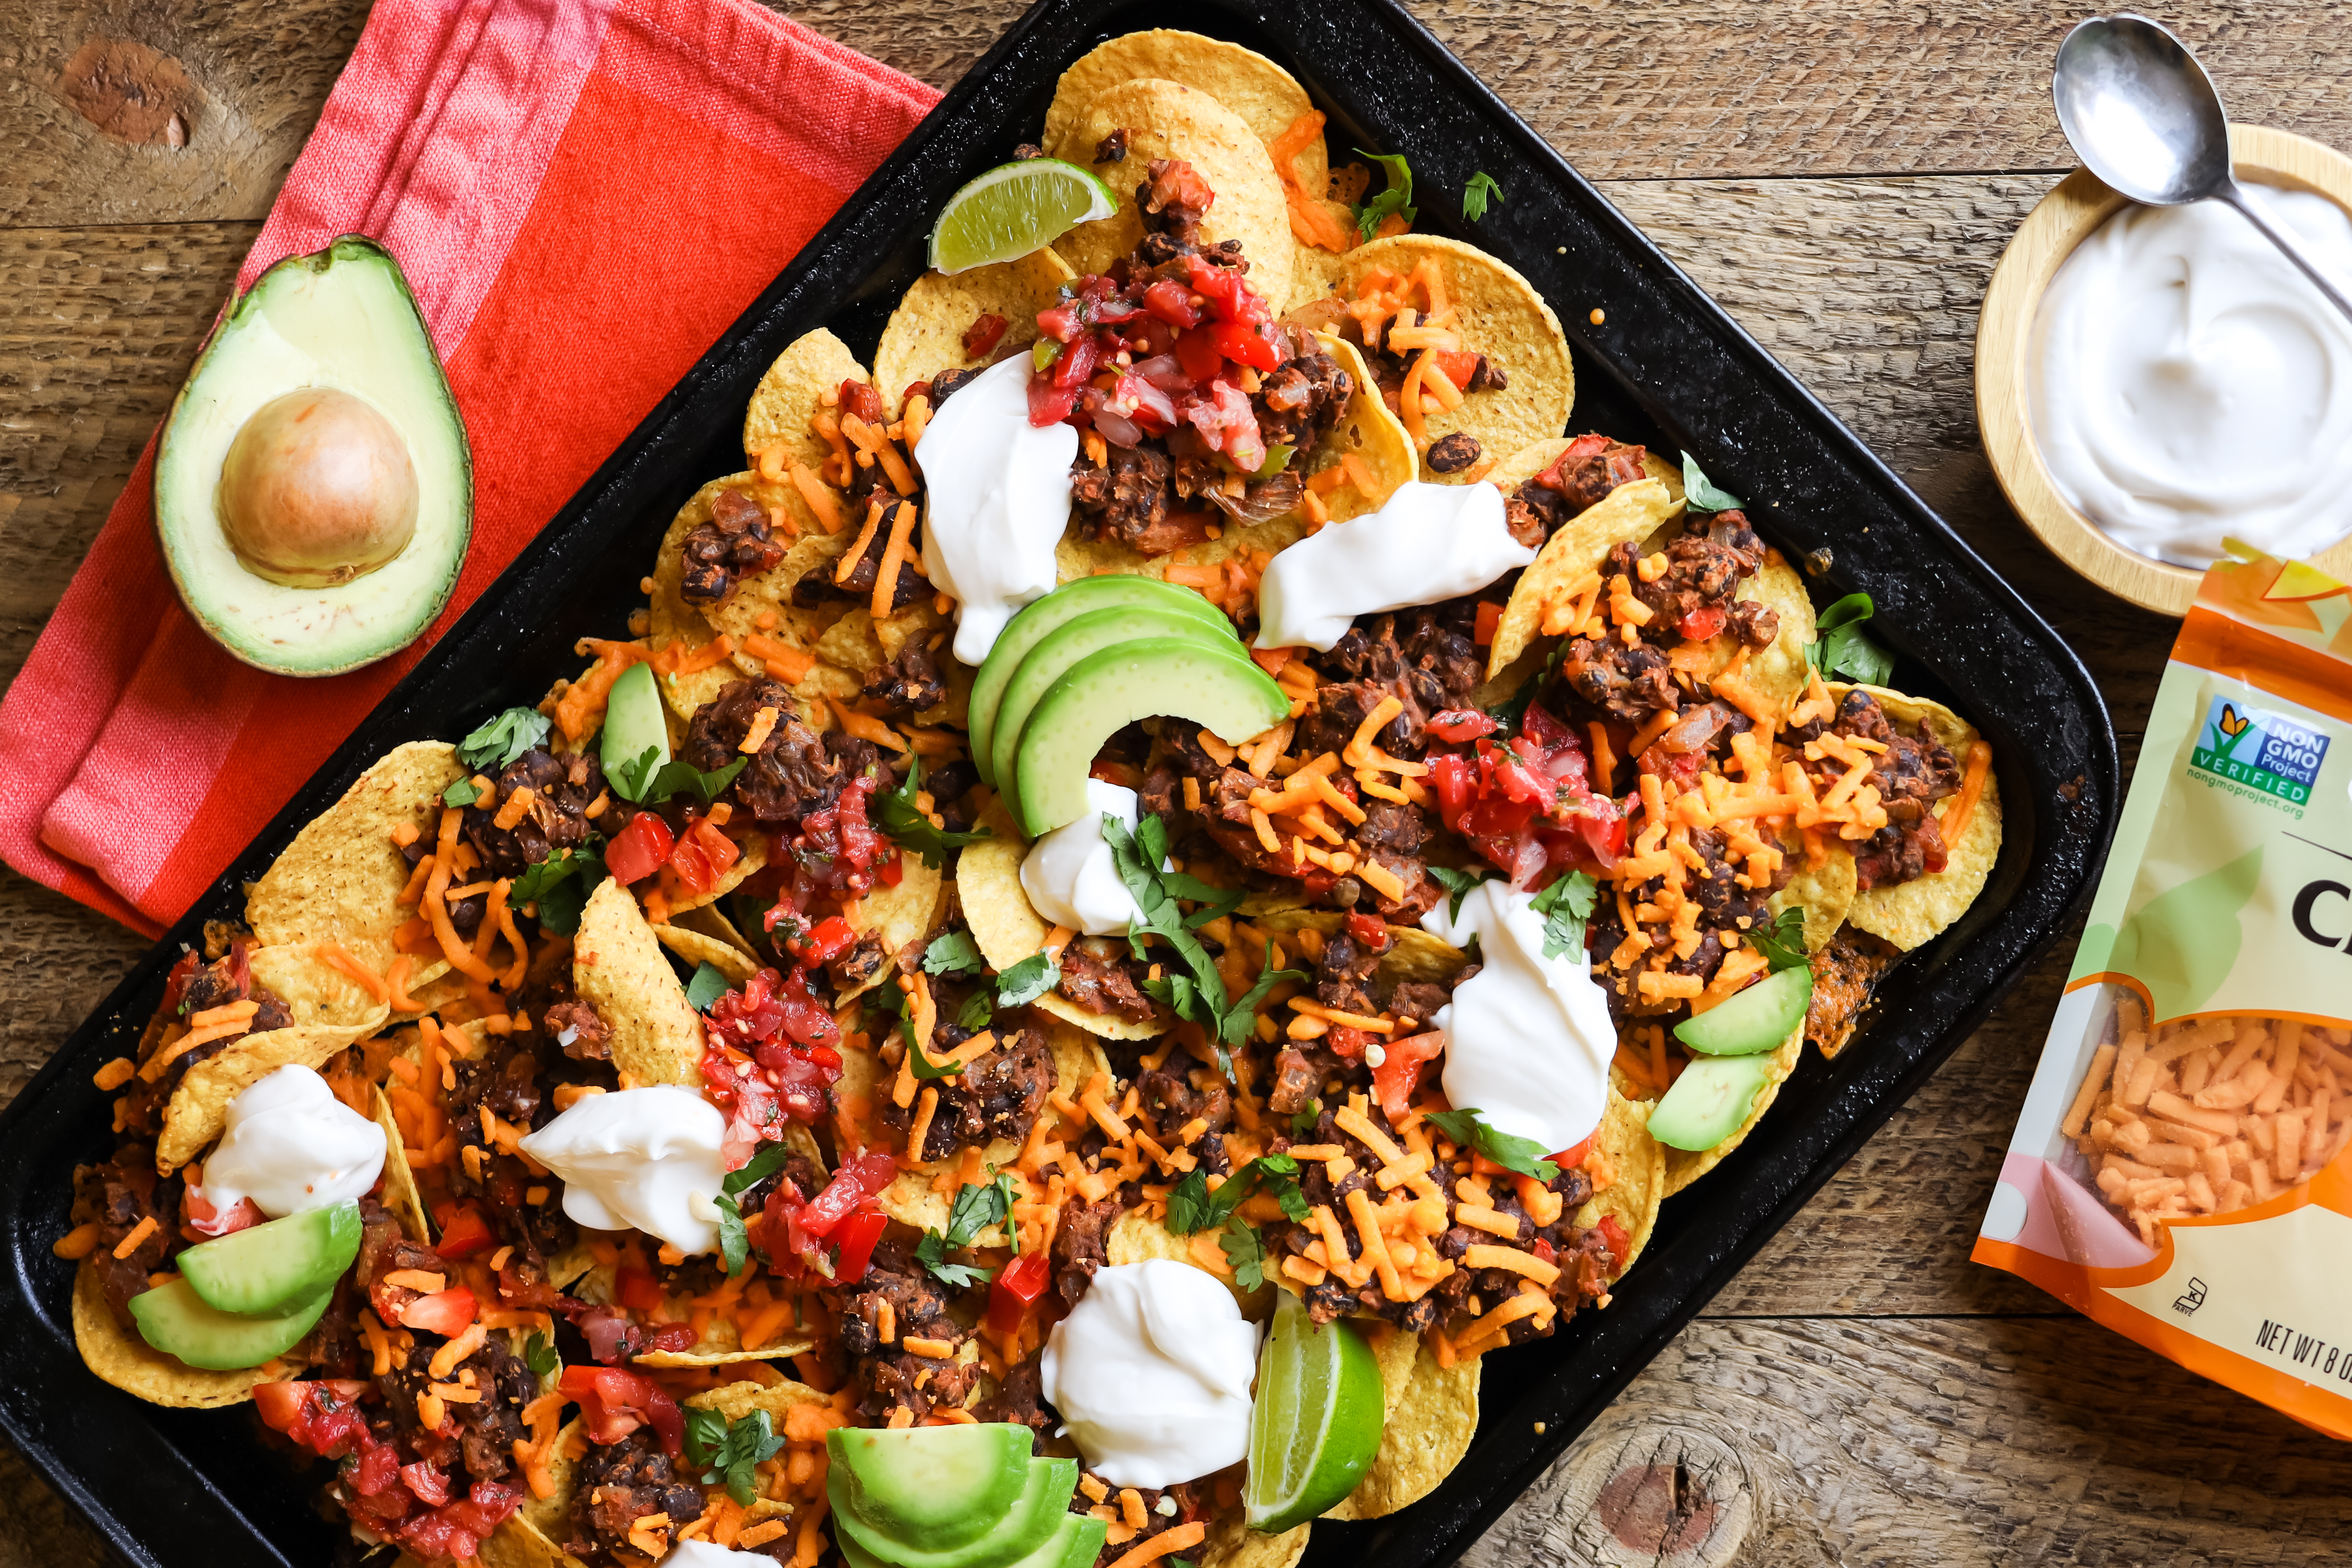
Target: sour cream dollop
x=710, y=1554
x=1070, y=875
x=1528, y=1039
x=644, y=1159
x=291, y=1146
x=1151, y=1371
x=997, y=498
x=1429, y=542
x=2189, y=382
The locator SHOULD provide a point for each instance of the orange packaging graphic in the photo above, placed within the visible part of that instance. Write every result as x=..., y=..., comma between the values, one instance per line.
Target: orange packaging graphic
x=2181, y=1170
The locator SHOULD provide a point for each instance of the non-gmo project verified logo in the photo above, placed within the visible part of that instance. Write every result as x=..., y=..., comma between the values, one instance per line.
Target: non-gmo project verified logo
x=2261, y=750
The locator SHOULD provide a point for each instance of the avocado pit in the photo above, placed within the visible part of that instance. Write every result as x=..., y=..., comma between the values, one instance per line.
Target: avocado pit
x=317, y=490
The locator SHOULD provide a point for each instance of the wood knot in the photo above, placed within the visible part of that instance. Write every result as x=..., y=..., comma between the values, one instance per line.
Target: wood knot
x=1654, y=1497
x=132, y=92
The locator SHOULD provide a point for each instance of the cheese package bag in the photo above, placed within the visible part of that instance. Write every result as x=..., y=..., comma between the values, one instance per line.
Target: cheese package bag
x=2179, y=1170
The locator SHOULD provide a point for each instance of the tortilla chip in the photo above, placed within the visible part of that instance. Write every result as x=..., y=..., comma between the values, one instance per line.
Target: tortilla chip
x=736, y=1400
x=704, y=920
x=1779, y=672
x=1825, y=892
x=787, y=397
x=753, y=858
x=1430, y=1425
x=315, y=992
x=1499, y=314
x=721, y=1345
x=767, y=596
x=1138, y=1237
x=1912, y=913
x=199, y=1106
x=988, y=882
x=1415, y=955
x=519, y=1543
x=1265, y=97
x=400, y=1194
x=617, y=968
x=1166, y=119
x=910, y=1199
x=1639, y=1186
x=925, y=334
x=1683, y=1166
x=1232, y=1543
x=338, y=880
x=120, y=1357
x=674, y=620
x=900, y=915
x=1627, y=513
x=696, y=948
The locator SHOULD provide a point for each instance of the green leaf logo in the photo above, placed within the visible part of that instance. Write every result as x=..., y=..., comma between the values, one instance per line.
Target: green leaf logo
x=2182, y=943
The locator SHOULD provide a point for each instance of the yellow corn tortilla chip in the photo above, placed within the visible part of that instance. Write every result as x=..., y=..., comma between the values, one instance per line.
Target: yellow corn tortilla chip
x=1231, y=1543
x=1626, y=513
x=696, y=948
x=118, y=1356
x=1499, y=314
x=900, y=915
x=787, y=397
x=1777, y=672
x=618, y=969
x=1683, y=1166
x=338, y=880
x=400, y=1194
x=1638, y=1168
x=1166, y=119
x=1416, y=956
x=1825, y=892
x=1139, y=1236
x=315, y=991
x=673, y=620
x=1007, y=929
x=925, y=334
x=199, y=1106
x=1911, y=914
x=548, y=1512
x=736, y=1400
x=910, y=1197
x=707, y=921
x=519, y=1542
x=1430, y=1425
x=1265, y=97
x=721, y=1345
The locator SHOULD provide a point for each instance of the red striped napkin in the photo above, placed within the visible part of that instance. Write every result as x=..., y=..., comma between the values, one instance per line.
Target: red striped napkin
x=584, y=194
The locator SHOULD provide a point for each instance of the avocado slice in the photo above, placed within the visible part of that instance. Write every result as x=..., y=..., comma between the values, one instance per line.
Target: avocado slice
x=1709, y=1101
x=175, y=1320
x=273, y=1268
x=1756, y=1019
x=931, y=1487
x=314, y=492
x=1111, y=591
x=1065, y=645
x=1010, y=1535
x=1201, y=683
x=1077, y=1543
x=635, y=721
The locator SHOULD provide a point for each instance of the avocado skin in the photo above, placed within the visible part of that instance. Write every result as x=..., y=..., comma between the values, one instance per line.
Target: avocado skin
x=317, y=632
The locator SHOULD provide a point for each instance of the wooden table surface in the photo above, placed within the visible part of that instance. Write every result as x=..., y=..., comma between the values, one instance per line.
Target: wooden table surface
x=1841, y=175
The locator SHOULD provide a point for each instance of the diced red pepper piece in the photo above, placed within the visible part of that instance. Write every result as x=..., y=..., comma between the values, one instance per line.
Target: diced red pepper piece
x=980, y=339
x=1703, y=622
x=464, y=1231
x=858, y=1234
x=1015, y=1290
x=822, y=942
x=640, y=849
x=1399, y=1074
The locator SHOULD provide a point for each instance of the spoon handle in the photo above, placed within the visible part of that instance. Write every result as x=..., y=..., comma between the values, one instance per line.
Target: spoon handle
x=2234, y=193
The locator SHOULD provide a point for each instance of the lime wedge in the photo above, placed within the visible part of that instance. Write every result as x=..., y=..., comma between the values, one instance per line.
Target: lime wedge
x=1014, y=209
x=1317, y=1422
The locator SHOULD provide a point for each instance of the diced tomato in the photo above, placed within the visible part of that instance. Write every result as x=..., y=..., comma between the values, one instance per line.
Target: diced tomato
x=1058, y=323
x=638, y=850
x=1399, y=1074
x=279, y=1405
x=1196, y=352
x=1575, y=1157
x=892, y=871
x=1172, y=303
x=821, y=943
x=1230, y=297
x=1496, y=819
x=637, y=1290
x=444, y=1312
x=176, y=986
x=702, y=856
x=1703, y=622
x=1460, y=724
x=1459, y=365
x=859, y=397
x=464, y=1231
x=856, y=1179
x=431, y=1486
x=1015, y=1290
x=1449, y=775
x=1490, y=615
x=1370, y=932
x=1245, y=344
x=671, y=1337
x=858, y=1234
x=1347, y=1044
x=1614, y=1234
x=980, y=339
x=614, y=1401
x=210, y=1221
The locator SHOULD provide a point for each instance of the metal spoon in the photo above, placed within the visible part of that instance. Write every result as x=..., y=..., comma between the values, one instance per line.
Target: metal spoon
x=2144, y=116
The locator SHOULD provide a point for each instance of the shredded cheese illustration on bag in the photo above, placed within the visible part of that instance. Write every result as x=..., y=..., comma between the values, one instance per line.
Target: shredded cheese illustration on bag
x=2179, y=1171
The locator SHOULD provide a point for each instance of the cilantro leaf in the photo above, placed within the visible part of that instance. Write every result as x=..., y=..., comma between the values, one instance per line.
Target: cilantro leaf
x=759, y=1168
x=953, y=952
x=1459, y=884
x=977, y=1013
x=1700, y=493
x=639, y=780
x=1302, y=1122
x=1197, y=993
x=503, y=738
x=1027, y=980
x=729, y=1453
x=734, y=1238
x=539, y=1354
x=896, y=815
x=706, y=1434
x=1512, y=712
x=1523, y=1155
x=1244, y=1248
x=559, y=885
x=1845, y=648
x=1782, y=942
x=1192, y=1207
x=1481, y=189
x=462, y=793
x=706, y=986
x=1239, y=1018
x=977, y=1208
x=1397, y=198
x=1563, y=906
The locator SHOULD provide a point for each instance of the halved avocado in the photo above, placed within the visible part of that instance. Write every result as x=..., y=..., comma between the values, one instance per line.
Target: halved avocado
x=1011, y=1534
x=1111, y=591
x=1220, y=688
x=1065, y=645
x=314, y=491
x=174, y=1320
x=931, y=1487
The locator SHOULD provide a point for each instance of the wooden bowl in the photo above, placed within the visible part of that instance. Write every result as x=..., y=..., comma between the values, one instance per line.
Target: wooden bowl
x=2063, y=220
